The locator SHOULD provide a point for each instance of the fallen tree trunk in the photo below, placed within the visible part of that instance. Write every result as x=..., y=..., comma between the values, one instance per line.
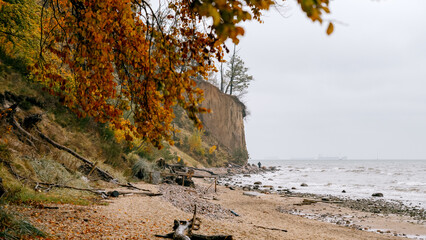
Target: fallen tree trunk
x=141, y=193
x=193, y=168
x=105, y=175
x=131, y=186
x=30, y=137
x=52, y=185
x=102, y=192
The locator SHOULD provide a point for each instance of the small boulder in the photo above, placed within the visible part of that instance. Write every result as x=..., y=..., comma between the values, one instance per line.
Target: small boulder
x=303, y=185
x=258, y=183
x=344, y=191
x=377, y=195
x=113, y=194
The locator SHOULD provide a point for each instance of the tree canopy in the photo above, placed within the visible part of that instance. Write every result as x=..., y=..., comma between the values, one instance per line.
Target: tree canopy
x=122, y=62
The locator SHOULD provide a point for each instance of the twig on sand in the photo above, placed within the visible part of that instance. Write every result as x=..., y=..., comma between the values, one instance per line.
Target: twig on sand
x=275, y=229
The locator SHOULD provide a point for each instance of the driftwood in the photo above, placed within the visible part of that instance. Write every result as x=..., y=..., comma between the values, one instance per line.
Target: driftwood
x=307, y=202
x=182, y=230
x=47, y=186
x=131, y=186
x=141, y=193
x=55, y=185
x=267, y=228
x=199, y=237
x=214, y=237
x=105, y=175
x=181, y=174
x=101, y=192
x=178, y=166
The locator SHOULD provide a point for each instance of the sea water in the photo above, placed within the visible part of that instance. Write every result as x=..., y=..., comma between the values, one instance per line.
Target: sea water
x=402, y=180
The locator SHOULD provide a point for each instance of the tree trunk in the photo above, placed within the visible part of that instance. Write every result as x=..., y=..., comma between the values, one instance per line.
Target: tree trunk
x=232, y=71
x=222, y=81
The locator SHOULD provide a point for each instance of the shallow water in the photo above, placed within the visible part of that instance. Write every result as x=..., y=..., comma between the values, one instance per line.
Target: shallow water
x=403, y=180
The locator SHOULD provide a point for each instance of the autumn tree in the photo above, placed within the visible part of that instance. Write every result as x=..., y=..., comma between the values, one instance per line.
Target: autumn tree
x=121, y=62
x=19, y=29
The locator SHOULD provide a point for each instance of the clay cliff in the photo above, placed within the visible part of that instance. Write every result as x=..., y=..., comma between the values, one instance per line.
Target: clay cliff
x=226, y=121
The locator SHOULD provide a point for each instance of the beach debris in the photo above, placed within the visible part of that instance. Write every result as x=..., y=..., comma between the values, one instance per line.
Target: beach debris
x=306, y=202
x=46, y=187
x=182, y=230
x=274, y=229
x=236, y=214
x=185, y=200
x=185, y=181
x=377, y=195
x=253, y=194
x=303, y=185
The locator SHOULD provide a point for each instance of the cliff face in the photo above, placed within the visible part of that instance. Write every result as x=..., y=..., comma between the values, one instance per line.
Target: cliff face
x=226, y=122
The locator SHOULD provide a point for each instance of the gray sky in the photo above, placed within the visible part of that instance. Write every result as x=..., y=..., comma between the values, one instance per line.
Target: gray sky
x=360, y=92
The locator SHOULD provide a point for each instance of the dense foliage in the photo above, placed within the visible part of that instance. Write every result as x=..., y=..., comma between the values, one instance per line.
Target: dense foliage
x=121, y=62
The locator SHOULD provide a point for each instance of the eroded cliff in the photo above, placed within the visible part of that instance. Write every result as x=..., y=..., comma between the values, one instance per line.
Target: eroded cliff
x=226, y=121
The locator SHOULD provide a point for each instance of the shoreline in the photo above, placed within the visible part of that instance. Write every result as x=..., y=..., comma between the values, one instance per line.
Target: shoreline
x=356, y=210
x=228, y=211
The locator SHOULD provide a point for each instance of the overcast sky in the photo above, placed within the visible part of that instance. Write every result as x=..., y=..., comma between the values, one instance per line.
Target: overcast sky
x=360, y=92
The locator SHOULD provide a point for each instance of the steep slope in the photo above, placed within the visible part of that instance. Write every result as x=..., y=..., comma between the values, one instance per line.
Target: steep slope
x=226, y=122
x=222, y=138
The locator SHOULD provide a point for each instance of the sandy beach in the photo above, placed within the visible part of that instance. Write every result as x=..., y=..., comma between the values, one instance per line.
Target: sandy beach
x=141, y=217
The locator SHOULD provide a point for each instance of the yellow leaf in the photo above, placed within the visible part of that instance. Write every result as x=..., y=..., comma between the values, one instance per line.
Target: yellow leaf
x=326, y=9
x=330, y=28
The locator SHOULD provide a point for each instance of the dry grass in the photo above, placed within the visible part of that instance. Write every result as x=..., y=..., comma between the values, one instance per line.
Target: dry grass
x=14, y=227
